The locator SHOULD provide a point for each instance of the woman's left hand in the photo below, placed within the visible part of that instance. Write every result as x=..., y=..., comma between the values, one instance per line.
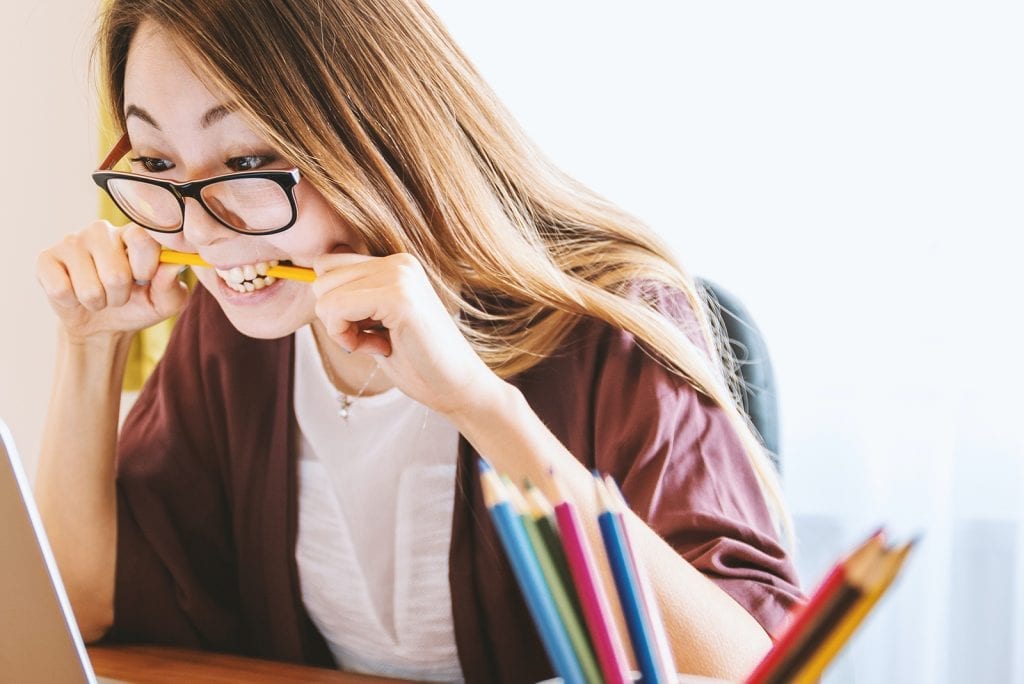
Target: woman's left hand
x=386, y=306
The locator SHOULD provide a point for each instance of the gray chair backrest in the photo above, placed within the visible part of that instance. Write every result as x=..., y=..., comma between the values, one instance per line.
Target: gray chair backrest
x=759, y=396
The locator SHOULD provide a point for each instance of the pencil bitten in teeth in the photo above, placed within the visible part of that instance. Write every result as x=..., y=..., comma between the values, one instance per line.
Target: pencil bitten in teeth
x=250, y=277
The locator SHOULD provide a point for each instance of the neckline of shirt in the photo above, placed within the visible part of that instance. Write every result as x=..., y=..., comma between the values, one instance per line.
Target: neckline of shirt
x=304, y=336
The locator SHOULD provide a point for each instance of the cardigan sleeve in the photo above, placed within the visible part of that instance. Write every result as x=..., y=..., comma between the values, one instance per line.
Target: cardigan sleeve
x=684, y=471
x=175, y=577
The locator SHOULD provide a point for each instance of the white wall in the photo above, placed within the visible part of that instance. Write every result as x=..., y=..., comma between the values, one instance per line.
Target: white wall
x=49, y=148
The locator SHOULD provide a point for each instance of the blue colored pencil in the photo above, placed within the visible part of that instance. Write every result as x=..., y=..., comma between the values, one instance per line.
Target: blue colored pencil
x=628, y=586
x=530, y=578
x=663, y=653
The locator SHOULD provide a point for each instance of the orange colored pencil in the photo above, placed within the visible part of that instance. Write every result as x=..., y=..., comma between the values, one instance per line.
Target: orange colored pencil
x=796, y=641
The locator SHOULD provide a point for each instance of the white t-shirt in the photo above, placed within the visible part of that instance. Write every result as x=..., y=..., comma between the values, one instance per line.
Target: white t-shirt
x=376, y=496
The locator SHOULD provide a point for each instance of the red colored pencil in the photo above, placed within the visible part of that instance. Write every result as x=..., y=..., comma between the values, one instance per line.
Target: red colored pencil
x=805, y=621
x=604, y=634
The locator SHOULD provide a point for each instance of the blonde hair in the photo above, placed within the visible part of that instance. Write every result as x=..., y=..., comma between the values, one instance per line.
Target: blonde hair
x=387, y=118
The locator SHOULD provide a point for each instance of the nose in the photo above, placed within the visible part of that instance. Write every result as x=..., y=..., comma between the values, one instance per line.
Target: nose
x=200, y=228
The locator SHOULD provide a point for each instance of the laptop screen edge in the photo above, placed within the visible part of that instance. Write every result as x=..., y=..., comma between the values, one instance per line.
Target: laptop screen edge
x=7, y=445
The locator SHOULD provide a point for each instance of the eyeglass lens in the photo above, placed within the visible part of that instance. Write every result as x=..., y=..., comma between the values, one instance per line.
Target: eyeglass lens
x=246, y=204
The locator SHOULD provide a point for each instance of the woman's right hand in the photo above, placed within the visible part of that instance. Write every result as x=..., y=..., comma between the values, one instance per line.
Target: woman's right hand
x=106, y=280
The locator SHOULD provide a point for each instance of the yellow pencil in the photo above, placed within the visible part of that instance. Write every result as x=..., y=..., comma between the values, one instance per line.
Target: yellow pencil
x=879, y=581
x=169, y=256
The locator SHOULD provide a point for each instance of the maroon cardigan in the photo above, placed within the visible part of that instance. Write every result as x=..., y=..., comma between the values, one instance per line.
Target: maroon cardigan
x=207, y=497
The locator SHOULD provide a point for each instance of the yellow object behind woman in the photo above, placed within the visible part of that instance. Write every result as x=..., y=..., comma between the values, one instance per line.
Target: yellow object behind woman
x=149, y=344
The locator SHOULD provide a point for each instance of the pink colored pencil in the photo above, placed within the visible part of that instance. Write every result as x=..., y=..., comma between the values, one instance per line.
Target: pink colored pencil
x=611, y=655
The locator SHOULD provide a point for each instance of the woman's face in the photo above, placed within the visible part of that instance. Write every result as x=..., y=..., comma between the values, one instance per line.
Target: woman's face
x=180, y=131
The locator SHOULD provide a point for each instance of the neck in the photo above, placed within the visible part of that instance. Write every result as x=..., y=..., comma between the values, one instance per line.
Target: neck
x=348, y=372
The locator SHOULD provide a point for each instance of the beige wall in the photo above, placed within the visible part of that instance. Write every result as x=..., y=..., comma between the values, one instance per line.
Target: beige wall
x=49, y=146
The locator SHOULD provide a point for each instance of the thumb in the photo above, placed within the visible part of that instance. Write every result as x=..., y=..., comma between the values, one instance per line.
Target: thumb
x=166, y=292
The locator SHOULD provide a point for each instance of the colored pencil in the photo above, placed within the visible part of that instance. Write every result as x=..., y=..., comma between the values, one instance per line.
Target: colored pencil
x=544, y=517
x=571, y=619
x=797, y=638
x=624, y=574
x=594, y=601
x=528, y=574
x=875, y=585
x=169, y=256
x=665, y=660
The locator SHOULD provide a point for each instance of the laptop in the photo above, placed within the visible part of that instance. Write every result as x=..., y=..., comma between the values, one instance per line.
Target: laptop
x=39, y=639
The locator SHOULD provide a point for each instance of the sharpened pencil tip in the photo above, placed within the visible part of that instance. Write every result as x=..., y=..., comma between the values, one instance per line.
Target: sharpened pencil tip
x=603, y=497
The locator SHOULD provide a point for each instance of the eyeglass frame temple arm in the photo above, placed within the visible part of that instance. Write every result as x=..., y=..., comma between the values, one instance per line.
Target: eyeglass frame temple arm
x=120, y=149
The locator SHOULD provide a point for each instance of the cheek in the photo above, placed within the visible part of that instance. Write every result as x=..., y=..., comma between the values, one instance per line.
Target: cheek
x=175, y=241
x=208, y=278
x=319, y=229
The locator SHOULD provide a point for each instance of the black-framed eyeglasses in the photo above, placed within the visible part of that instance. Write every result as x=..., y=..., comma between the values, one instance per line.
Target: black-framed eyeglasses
x=248, y=202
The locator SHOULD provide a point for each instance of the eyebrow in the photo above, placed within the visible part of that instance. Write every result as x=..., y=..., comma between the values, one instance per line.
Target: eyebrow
x=214, y=115
x=208, y=119
x=142, y=114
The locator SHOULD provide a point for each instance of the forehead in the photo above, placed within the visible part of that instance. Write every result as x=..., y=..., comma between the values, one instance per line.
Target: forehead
x=159, y=78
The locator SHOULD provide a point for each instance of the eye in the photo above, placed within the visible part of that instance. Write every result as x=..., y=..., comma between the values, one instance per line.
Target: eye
x=249, y=162
x=152, y=164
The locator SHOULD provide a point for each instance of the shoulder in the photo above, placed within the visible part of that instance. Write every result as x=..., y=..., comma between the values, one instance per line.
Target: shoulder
x=603, y=384
x=598, y=353
x=674, y=451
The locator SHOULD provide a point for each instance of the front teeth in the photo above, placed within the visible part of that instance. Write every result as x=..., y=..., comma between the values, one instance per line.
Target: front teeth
x=250, y=277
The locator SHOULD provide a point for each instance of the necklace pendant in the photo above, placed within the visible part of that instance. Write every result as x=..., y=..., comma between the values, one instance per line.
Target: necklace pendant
x=344, y=402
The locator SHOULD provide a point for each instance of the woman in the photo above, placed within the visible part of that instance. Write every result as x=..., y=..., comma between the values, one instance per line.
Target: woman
x=297, y=480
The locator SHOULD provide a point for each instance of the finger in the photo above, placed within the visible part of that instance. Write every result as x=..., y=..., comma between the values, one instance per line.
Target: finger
x=353, y=330
x=168, y=294
x=112, y=265
x=341, y=313
x=376, y=342
x=354, y=268
x=343, y=282
x=85, y=281
x=337, y=270
x=328, y=262
x=54, y=279
x=143, y=252
x=342, y=274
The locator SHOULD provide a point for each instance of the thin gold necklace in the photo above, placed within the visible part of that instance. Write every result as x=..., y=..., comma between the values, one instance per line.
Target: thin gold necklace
x=344, y=400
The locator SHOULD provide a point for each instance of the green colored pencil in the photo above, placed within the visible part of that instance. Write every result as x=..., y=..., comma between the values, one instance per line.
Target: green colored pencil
x=571, y=618
x=544, y=515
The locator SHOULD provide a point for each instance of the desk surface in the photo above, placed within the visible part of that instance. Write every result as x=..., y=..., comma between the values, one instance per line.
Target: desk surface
x=159, y=665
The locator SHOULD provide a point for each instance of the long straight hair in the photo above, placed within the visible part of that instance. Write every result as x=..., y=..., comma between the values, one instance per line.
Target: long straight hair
x=387, y=118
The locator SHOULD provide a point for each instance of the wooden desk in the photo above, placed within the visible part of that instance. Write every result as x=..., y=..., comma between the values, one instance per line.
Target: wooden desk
x=160, y=665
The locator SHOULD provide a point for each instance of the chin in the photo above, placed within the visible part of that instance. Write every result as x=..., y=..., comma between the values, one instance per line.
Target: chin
x=270, y=314
x=263, y=329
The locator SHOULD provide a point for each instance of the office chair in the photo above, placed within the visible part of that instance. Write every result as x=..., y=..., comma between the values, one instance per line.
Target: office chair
x=754, y=365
